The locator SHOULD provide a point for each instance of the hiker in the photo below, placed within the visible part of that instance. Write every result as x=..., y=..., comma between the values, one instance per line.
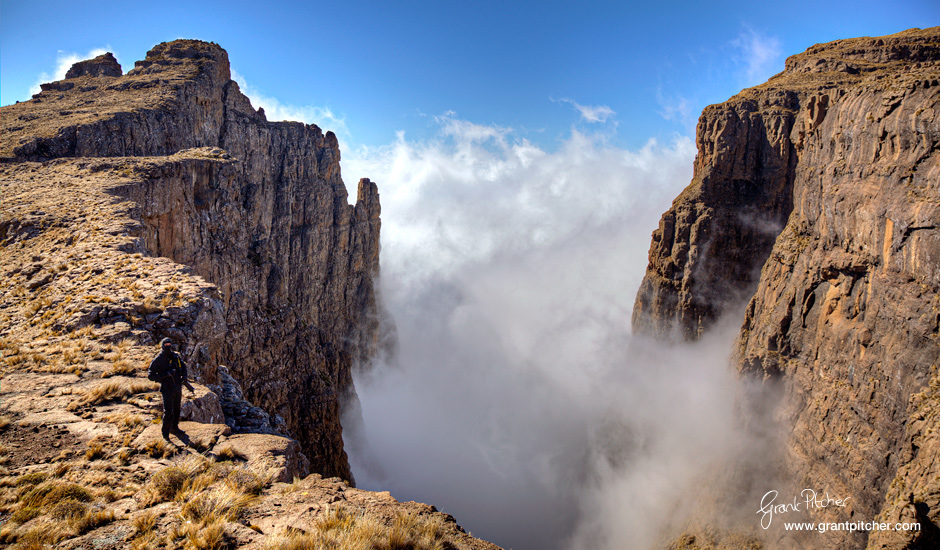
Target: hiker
x=170, y=371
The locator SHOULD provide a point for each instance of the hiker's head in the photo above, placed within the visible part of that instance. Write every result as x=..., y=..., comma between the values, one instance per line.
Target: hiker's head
x=166, y=344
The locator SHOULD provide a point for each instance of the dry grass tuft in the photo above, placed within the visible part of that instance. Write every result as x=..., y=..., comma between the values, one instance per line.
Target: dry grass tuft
x=24, y=514
x=121, y=367
x=209, y=536
x=149, y=305
x=95, y=451
x=157, y=448
x=222, y=502
x=145, y=522
x=64, y=503
x=61, y=469
x=68, y=509
x=93, y=519
x=33, y=478
x=124, y=456
x=50, y=493
x=169, y=482
x=115, y=390
x=124, y=419
x=164, y=485
x=229, y=453
x=342, y=528
x=246, y=481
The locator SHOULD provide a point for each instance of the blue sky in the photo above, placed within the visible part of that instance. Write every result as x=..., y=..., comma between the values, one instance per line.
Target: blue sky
x=638, y=69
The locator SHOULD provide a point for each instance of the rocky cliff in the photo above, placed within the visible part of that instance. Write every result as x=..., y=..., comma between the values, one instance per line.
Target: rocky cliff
x=82, y=463
x=816, y=198
x=262, y=215
x=159, y=204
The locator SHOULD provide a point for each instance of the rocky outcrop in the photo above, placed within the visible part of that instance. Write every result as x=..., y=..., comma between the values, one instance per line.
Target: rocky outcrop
x=103, y=65
x=257, y=209
x=815, y=196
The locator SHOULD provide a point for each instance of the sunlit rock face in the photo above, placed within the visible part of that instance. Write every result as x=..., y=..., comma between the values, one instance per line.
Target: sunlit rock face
x=257, y=208
x=816, y=196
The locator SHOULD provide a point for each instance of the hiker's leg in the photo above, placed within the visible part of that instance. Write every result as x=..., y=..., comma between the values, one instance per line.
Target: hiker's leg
x=166, y=390
x=177, y=404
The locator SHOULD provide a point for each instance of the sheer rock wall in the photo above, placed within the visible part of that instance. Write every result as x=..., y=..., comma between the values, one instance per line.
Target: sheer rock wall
x=259, y=210
x=816, y=196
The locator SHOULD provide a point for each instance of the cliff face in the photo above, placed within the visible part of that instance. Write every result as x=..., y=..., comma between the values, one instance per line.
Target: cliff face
x=817, y=197
x=247, y=256
x=262, y=214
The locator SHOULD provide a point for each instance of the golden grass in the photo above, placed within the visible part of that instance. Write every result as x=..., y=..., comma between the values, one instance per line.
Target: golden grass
x=157, y=448
x=114, y=390
x=121, y=367
x=247, y=481
x=31, y=479
x=205, y=536
x=95, y=450
x=209, y=494
x=50, y=493
x=166, y=484
x=63, y=504
x=68, y=509
x=229, y=453
x=347, y=530
x=221, y=502
x=128, y=420
x=93, y=519
x=149, y=305
x=145, y=522
x=124, y=456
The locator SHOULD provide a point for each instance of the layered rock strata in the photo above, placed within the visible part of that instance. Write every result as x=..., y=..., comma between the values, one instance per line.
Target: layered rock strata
x=816, y=196
x=258, y=209
x=81, y=312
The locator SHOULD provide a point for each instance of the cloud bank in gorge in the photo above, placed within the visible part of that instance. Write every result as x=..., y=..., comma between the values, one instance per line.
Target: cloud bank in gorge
x=514, y=405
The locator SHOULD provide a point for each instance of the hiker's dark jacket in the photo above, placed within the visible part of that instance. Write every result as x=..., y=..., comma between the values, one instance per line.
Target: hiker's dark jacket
x=167, y=366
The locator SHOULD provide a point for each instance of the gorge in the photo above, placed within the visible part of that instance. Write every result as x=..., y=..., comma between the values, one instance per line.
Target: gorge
x=511, y=394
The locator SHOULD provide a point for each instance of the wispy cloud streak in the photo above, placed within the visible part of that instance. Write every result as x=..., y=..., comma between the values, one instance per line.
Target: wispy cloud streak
x=590, y=113
x=759, y=54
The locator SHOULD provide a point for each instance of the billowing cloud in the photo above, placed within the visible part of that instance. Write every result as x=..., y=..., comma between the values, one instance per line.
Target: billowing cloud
x=759, y=54
x=64, y=62
x=518, y=402
x=590, y=113
x=274, y=110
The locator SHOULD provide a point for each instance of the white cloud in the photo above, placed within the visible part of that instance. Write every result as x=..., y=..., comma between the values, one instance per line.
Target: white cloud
x=590, y=113
x=760, y=55
x=64, y=62
x=489, y=191
x=678, y=109
x=511, y=272
x=274, y=110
